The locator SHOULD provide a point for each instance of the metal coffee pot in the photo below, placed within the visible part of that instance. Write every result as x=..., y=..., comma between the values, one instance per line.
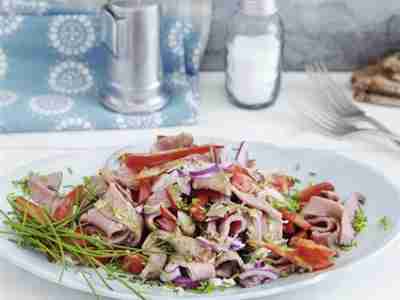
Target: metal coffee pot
x=131, y=35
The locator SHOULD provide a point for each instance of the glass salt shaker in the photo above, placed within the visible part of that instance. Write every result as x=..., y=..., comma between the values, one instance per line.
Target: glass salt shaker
x=254, y=52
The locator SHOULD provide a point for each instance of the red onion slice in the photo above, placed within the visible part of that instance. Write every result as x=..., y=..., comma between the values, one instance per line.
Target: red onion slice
x=186, y=282
x=205, y=173
x=210, y=245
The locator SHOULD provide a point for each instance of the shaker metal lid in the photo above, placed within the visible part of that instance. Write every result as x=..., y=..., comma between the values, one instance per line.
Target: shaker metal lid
x=258, y=7
x=126, y=8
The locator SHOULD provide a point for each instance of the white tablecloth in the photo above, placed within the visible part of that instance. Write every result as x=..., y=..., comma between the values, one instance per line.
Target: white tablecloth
x=374, y=279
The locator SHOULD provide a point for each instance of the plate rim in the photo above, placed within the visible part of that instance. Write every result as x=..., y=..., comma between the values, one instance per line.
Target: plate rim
x=250, y=294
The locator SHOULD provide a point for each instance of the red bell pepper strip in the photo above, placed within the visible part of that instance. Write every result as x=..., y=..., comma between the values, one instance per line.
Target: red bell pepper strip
x=31, y=210
x=133, y=264
x=64, y=210
x=140, y=161
x=318, y=256
x=296, y=219
x=289, y=254
x=306, y=254
x=314, y=190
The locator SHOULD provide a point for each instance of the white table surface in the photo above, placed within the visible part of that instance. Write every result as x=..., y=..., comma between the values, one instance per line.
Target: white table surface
x=374, y=279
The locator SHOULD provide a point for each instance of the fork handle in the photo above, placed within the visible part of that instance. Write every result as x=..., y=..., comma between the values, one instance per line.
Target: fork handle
x=378, y=125
x=392, y=137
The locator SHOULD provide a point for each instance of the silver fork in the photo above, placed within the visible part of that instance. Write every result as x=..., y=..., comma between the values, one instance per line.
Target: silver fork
x=338, y=101
x=334, y=124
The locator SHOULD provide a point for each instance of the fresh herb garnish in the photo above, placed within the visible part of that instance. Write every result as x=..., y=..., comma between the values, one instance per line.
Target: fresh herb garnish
x=385, y=223
x=360, y=221
x=349, y=247
x=22, y=184
x=293, y=203
x=57, y=239
x=206, y=287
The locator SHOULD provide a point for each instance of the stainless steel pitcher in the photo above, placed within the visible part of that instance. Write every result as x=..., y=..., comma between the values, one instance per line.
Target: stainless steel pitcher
x=131, y=34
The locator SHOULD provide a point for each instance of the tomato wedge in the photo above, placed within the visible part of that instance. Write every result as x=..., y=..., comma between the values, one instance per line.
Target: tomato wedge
x=288, y=228
x=198, y=211
x=296, y=219
x=65, y=208
x=314, y=190
x=140, y=161
x=133, y=264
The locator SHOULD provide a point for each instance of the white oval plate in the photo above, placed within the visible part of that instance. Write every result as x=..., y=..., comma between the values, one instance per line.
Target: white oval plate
x=349, y=176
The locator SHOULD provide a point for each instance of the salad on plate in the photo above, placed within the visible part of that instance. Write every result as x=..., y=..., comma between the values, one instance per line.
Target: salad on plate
x=185, y=216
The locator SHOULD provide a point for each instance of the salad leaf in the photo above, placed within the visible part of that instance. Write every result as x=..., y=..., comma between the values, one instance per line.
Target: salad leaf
x=360, y=221
x=385, y=223
x=206, y=287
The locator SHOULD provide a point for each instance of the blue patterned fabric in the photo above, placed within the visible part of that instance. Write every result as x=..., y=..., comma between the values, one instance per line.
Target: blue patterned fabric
x=51, y=75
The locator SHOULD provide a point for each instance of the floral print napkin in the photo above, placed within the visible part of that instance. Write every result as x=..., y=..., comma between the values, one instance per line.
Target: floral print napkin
x=52, y=70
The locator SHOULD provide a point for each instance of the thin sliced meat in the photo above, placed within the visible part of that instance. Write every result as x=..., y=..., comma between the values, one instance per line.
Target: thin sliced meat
x=196, y=271
x=41, y=194
x=228, y=263
x=200, y=271
x=126, y=177
x=322, y=207
x=99, y=185
x=212, y=229
x=218, y=182
x=274, y=230
x=324, y=230
x=164, y=143
x=256, y=277
x=256, y=225
x=232, y=226
x=183, y=245
x=351, y=207
x=150, y=221
x=331, y=195
x=115, y=206
x=153, y=204
x=257, y=202
x=52, y=181
x=154, y=266
x=115, y=232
